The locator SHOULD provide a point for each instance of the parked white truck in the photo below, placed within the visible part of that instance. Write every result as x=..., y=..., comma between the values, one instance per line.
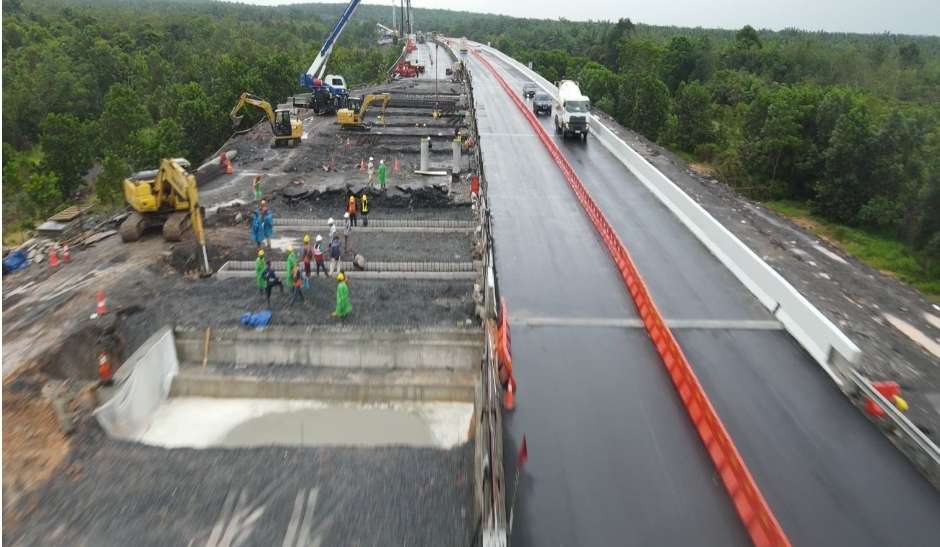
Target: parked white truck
x=572, y=110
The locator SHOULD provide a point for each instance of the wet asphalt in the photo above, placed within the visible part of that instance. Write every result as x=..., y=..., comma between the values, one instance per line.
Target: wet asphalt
x=613, y=457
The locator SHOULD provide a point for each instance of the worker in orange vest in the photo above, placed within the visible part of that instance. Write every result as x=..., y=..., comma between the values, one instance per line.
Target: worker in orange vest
x=351, y=209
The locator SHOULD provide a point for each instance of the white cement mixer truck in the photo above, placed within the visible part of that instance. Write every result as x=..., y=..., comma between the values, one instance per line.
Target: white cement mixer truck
x=572, y=111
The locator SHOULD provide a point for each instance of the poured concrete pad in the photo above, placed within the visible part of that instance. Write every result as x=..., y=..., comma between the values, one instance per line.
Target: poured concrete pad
x=203, y=422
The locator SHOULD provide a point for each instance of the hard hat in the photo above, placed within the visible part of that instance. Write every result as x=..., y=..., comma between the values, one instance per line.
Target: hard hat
x=319, y=238
x=382, y=162
x=352, y=198
x=341, y=276
x=345, y=215
x=306, y=238
x=260, y=252
x=370, y=158
x=330, y=221
x=290, y=248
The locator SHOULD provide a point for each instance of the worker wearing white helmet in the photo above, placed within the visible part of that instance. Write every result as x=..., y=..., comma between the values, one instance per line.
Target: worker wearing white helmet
x=371, y=167
x=332, y=225
x=318, y=256
x=347, y=229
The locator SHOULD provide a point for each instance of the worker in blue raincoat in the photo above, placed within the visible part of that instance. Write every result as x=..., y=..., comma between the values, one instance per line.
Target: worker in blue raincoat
x=262, y=225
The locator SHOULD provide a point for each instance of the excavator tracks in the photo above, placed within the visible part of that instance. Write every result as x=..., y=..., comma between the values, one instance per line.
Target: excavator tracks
x=176, y=225
x=132, y=227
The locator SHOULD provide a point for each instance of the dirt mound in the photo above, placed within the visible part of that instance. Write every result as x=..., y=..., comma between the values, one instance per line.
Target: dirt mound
x=76, y=356
x=186, y=257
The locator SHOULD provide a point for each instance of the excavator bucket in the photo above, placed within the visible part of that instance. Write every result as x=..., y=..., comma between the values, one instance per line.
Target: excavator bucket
x=236, y=121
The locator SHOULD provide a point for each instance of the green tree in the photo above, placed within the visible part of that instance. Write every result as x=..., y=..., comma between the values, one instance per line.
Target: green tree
x=123, y=115
x=68, y=149
x=151, y=144
x=644, y=104
x=847, y=183
x=110, y=181
x=693, y=109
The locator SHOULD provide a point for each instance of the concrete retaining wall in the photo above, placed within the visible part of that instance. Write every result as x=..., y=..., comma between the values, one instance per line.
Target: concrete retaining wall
x=819, y=337
x=379, y=387
x=352, y=348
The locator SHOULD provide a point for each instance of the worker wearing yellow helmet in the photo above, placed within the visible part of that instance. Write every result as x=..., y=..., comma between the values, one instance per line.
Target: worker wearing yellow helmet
x=343, y=306
x=259, y=271
x=291, y=260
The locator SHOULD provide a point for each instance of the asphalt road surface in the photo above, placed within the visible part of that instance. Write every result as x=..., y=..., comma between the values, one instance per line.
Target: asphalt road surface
x=613, y=458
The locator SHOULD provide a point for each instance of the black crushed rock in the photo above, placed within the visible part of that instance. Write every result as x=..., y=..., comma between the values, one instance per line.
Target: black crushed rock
x=116, y=493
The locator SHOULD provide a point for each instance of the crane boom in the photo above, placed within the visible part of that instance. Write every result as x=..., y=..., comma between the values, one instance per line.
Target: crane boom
x=318, y=67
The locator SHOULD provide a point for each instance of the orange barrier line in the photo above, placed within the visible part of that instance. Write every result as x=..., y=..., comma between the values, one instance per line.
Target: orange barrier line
x=748, y=501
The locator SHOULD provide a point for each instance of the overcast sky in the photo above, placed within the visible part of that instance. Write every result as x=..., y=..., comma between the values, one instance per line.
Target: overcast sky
x=900, y=16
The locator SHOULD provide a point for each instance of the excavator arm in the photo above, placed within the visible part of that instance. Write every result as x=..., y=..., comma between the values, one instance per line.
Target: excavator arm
x=175, y=185
x=257, y=102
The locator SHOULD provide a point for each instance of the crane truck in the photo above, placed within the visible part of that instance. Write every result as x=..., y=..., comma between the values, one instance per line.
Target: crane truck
x=328, y=93
x=572, y=110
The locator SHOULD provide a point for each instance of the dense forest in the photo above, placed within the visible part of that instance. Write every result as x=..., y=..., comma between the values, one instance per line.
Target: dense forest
x=847, y=125
x=118, y=85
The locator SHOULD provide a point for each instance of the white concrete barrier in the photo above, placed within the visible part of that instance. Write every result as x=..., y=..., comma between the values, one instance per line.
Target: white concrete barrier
x=828, y=345
x=143, y=383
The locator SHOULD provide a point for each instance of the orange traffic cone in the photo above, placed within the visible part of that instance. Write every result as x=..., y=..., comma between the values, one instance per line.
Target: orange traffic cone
x=348, y=143
x=362, y=166
x=102, y=307
x=509, y=398
x=396, y=166
x=66, y=255
x=105, y=373
x=53, y=257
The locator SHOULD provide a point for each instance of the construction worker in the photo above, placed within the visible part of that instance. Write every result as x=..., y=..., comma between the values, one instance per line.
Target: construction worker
x=306, y=256
x=336, y=252
x=364, y=205
x=290, y=262
x=262, y=225
x=318, y=256
x=259, y=272
x=343, y=307
x=383, y=173
x=351, y=209
x=297, y=280
x=371, y=167
x=271, y=281
x=347, y=230
x=256, y=187
x=332, y=224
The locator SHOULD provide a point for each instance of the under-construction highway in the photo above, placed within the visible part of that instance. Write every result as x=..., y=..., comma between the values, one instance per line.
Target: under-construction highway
x=614, y=458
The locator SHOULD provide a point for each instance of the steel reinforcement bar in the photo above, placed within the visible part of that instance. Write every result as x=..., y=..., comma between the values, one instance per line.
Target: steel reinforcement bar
x=749, y=503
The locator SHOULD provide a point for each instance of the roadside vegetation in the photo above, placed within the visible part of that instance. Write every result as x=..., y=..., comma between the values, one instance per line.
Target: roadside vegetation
x=116, y=85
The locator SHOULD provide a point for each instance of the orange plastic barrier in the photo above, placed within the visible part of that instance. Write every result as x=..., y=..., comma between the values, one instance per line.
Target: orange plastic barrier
x=749, y=503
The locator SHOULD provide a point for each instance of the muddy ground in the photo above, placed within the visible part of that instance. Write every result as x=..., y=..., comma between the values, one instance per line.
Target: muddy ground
x=853, y=295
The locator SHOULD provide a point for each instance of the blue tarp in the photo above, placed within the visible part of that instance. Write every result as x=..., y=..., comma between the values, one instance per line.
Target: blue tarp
x=14, y=261
x=256, y=319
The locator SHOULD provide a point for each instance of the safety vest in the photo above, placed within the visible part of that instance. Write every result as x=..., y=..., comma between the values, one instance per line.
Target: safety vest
x=365, y=204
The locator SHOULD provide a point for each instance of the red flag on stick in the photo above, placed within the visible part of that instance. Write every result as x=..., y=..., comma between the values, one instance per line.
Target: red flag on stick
x=523, y=454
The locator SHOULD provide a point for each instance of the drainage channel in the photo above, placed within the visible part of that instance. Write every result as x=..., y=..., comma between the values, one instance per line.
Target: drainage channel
x=340, y=386
x=374, y=270
x=381, y=225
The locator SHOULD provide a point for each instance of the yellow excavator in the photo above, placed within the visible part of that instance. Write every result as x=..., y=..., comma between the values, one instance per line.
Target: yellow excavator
x=168, y=197
x=349, y=118
x=286, y=127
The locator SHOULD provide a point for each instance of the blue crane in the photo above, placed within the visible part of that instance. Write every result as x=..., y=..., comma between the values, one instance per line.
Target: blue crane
x=313, y=79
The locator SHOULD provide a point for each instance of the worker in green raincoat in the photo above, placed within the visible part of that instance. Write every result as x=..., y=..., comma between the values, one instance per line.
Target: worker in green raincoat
x=383, y=174
x=343, y=307
x=259, y=271
x=291, y=262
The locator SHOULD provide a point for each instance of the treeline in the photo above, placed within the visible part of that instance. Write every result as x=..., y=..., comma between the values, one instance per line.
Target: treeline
x=848, y=123
x=113, y=86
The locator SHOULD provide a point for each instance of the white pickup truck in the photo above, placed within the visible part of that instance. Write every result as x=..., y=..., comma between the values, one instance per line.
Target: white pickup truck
x=571, y=111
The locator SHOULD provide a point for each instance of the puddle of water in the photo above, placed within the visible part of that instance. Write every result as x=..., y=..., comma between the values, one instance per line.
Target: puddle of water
x=204, y=422
x=914, y=334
